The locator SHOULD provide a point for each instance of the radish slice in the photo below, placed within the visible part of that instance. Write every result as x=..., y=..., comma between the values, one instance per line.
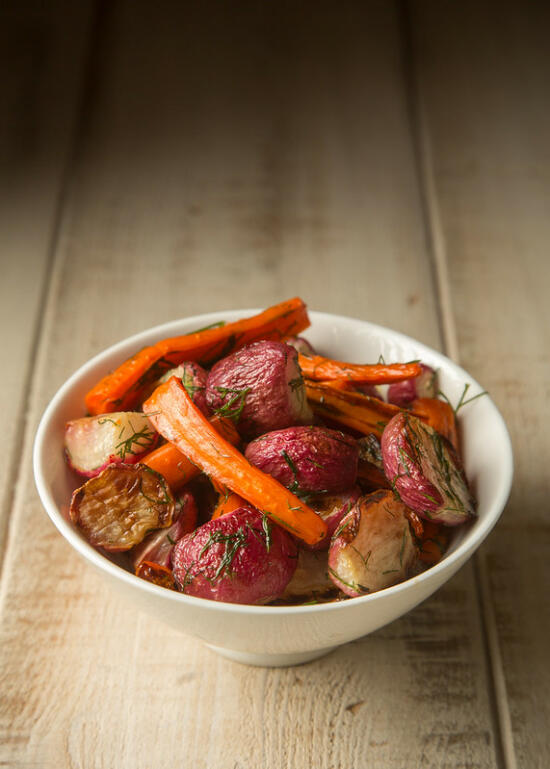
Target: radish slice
x=92, y=443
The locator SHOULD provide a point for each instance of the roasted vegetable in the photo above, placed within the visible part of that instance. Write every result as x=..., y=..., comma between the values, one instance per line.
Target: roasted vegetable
x=92, y=443
x=180, y=422
x=116, y=509
x=425, y=471
x=310, y=582
x=439, y=415
x=239, y=558
x=300, y=344
x=332, y=508
x=175, y=467
x=350, y=409
x=373, y=547
x=158, y=545
x=124, y=387
x=260, y=387
x=157, y=574
x=370, y=470
x=193, y=377
x=318, y=368
x=422, y=386
x=307, y=459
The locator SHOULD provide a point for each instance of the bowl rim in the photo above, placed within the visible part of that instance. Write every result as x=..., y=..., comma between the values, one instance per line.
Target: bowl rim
x=450, y=562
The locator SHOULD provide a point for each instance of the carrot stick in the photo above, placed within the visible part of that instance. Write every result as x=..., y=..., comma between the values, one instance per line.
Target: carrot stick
x=227, y=503
x=351, y=409
x=319, y=368
x=174, y=466
x=176, y=418
x=121, y=389
x=438, y=415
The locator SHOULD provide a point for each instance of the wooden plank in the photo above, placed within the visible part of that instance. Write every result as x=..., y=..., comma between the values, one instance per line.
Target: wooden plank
x=38, y=98
x=484, y=76
x=230, y=162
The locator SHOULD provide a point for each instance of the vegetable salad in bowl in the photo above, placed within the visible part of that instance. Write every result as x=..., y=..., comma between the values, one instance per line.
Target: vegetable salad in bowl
x=239, y=464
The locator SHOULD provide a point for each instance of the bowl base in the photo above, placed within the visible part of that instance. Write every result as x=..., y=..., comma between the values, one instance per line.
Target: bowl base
x=271, y=660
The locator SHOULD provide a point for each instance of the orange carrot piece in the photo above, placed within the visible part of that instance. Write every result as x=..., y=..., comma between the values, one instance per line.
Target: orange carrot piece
x=227, y=503
x=319, y=368
x=434, y=543
x=351, y=409
x=157, y=574
x=176, y=418
x=174, y=466
x=439, y=415
x=122, y=389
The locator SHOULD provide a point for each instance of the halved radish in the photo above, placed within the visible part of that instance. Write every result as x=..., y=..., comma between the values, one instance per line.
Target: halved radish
x=116, y=509
x=373, y=547
x=92, y=443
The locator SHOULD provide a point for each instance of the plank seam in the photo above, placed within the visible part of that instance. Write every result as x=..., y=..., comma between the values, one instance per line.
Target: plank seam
x=42, y=324
x=437, y=250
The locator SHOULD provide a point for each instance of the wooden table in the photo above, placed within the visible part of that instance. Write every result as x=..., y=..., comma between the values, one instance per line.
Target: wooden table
x=383, y=160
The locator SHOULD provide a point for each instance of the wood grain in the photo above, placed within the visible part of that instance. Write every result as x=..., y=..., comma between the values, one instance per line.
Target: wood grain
x=483, y=72
x=39, y=96
x=231, y=161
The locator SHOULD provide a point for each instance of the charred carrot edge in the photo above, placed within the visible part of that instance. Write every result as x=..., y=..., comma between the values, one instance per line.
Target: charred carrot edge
x=157, y=574
x=122, y=389
x=177, y=419
x=435, y=540
x=227, y=503
x=319, y=368
x=438, y=415
x=174, y=466
x=351, y=409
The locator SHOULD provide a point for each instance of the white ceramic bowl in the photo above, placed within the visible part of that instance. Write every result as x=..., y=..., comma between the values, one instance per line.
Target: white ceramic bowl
x=272, y=636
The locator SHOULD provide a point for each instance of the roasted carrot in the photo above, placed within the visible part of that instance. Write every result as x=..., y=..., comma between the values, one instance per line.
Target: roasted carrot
x=434, y=542
x=157, y=574
x=227, y=503
x=318, y=368
x=177, y=419
x=124, y=387
x=351, y=409
x=438, y=415
x=174, y=466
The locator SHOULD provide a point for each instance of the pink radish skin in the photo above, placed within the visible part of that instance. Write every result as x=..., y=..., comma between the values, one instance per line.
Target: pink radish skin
x=260, y=387
x=93, y=443
x=157, y=546
x=307, y=459
x=373, y=547
x=193, y=377
x=238, y=558
x=425, y=471
x=423, y=386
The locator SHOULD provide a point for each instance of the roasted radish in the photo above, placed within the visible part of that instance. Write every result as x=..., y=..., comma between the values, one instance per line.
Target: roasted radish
x=116, y=509
x=300, y=344
x=332, y=508
x=422, y=386
x=307, y=459
x=373, y=547
x=193, y=377
x=92, y=443
x=158, y=545
x=260, y=387
x=239, y=558
x=425, y=472
x=311, y=580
